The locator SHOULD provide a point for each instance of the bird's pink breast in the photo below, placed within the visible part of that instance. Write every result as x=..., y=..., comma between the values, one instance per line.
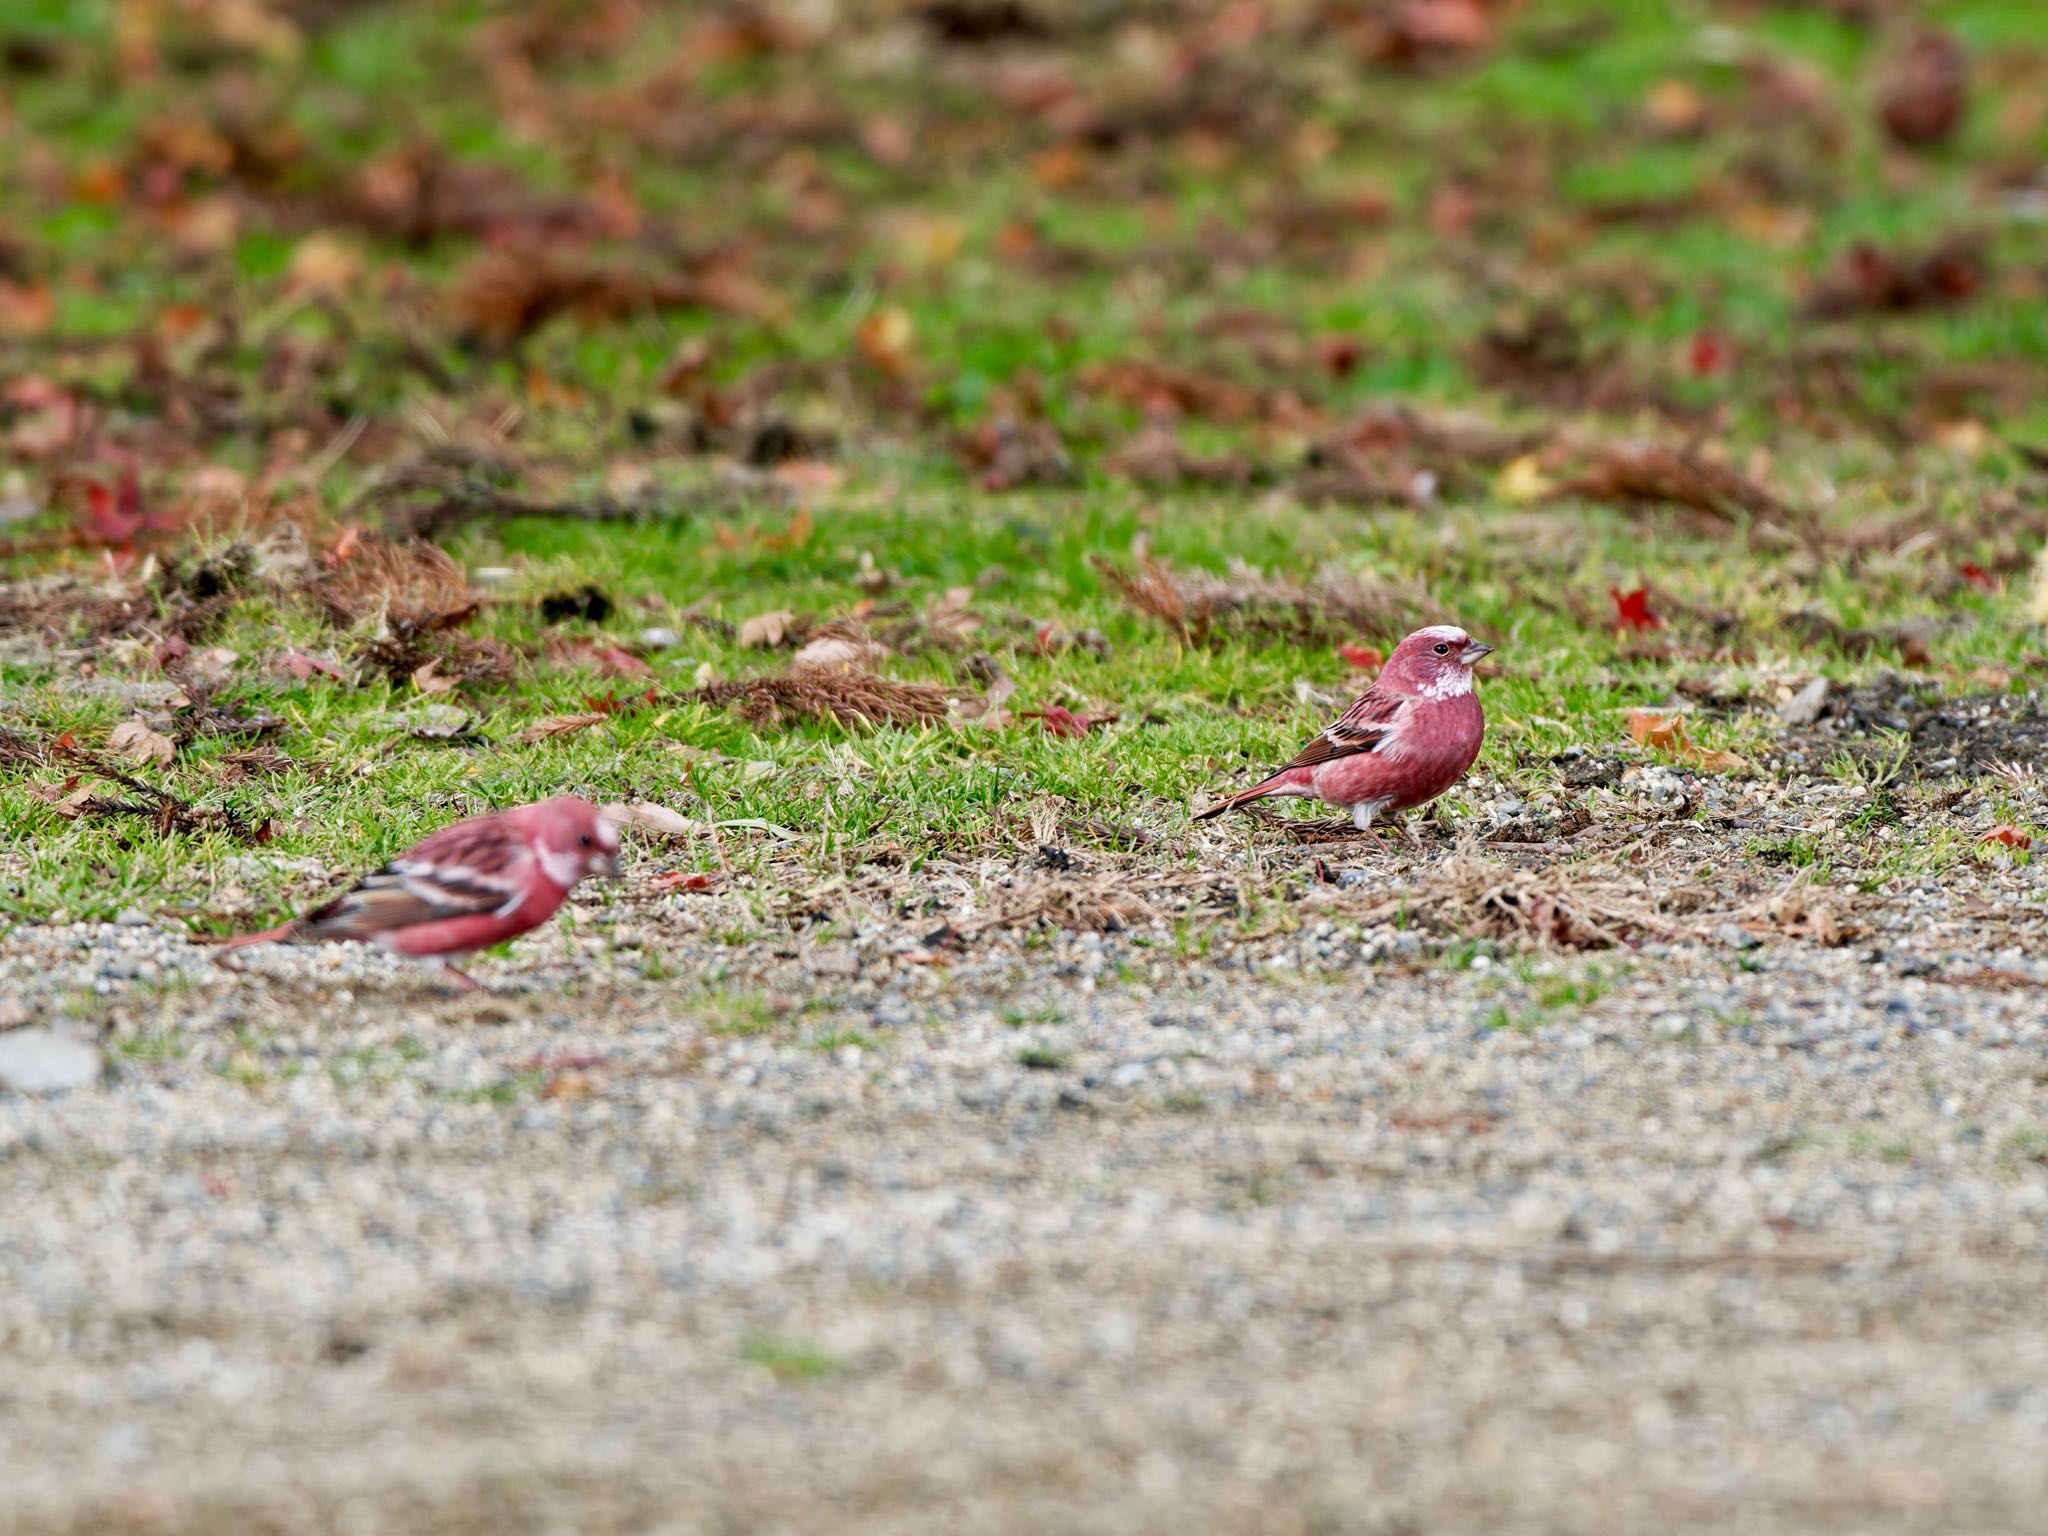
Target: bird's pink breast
x=1439, y=740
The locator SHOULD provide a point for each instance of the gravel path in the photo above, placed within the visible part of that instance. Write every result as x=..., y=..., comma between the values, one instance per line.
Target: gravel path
x=1304, y=1235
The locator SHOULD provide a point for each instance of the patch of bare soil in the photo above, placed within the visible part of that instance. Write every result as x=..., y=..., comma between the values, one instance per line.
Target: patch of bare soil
x=1930, y=734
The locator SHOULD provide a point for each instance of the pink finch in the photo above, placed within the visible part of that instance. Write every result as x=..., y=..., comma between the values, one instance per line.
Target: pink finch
x=1404, y=741
x=467, y=886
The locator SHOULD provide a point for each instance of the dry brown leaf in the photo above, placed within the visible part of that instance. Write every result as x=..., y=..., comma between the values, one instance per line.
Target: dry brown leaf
x=837, y=653
x=807, y=476
x=132, y=739
x=428, y=679
x=884, y=339
x=324, y=264
x=1666, y=733
x=766, y=629
x=987, y=710
x=555, y=725
x=658, y=819
x=68, y=799
x=949, y=619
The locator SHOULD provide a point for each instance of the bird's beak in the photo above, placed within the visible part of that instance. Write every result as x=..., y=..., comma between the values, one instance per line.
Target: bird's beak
x=606, y=864
x=1474, y=650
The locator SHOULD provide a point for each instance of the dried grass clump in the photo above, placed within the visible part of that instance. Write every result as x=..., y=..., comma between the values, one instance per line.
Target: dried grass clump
x=1398, y=455
x=854, y=699
x=174, y=601
x=1550, y=908
x=1800, y=912
x=165, y=811
x=1872, y=280
x=1206, y=609
x=449, y=486
x=1098, y=904
x=1639, y=472
x=416, y=595
x=400, y=582
x=433, y=659
x=506, y=296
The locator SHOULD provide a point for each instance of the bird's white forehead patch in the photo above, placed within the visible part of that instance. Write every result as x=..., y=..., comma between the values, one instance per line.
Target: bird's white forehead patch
x=1444, y=632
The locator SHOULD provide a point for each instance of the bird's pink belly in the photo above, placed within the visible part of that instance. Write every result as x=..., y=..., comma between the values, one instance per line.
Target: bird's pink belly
x=459, y=935
x=1398, y=781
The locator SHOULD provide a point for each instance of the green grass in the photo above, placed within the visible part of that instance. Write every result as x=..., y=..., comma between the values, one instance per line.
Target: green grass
x=1155, y=277
x=790, y=1360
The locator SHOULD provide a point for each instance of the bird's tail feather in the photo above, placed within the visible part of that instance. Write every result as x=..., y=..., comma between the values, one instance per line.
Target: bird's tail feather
x=1271, y=785
x=282, y=933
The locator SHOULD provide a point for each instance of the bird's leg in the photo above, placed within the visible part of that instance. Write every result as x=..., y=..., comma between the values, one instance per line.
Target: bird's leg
x=1362, y=816
x=449, y=968
x=1407, y=833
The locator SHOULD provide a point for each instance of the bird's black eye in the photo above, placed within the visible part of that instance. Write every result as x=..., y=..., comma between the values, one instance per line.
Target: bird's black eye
x=1442, y=649
x=586, y=839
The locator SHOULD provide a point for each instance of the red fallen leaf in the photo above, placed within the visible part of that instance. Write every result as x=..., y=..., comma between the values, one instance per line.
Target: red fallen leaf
x=1632, y=610
x=1708, y=355
x=301, y=666
x=345, y=544
x=1051, y=639
x=171, y=648
x=1978, y=577
x=2009, y=836
x=1064, y=722
x=611, y=704
x=112, y=517
x=1339, y=356
x=1362, y=657
x=115, y=517
x=685, y=880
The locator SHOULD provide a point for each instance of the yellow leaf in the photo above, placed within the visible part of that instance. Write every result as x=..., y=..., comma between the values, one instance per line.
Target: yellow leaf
x=884, y=339
x=1522, y=481
x=1673, y=107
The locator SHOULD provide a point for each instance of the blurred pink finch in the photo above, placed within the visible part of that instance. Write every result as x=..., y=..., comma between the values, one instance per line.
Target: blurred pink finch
x=466, y=887
x=1404, y=741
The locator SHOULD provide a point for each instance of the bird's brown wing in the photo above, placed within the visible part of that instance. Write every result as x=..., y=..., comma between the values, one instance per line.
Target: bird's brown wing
x=1364, y=727
x=466, y=870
